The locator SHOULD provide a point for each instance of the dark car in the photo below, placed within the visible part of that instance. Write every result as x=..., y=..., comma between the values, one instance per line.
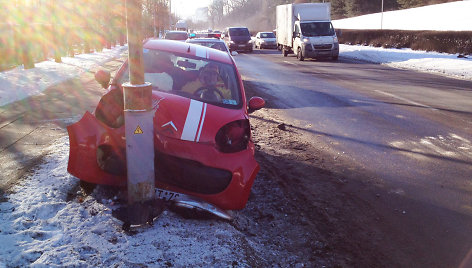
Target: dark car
x=176, y=35
x=238, y=39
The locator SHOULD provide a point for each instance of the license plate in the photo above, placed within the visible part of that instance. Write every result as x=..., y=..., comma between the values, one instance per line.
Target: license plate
x=166, y=195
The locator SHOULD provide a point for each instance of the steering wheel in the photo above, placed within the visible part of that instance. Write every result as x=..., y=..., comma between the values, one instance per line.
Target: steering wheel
x=209, y=93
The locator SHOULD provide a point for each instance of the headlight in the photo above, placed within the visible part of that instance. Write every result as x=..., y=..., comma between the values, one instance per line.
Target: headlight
x=306, y=40
x=262, y=41
x=335, y=39
x=233, y=137
x=231, y=42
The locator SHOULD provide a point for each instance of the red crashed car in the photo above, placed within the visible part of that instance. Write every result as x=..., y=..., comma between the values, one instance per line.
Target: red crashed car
x=202, y=138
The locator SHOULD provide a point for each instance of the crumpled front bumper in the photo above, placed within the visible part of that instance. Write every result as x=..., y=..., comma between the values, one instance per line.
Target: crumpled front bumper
x=97, y=155
x=311, y=51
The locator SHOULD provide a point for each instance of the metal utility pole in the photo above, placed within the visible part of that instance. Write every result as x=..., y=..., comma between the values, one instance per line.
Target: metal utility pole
x=382, y=16
x=170, y=15
x=138, y=113
x=55, y=22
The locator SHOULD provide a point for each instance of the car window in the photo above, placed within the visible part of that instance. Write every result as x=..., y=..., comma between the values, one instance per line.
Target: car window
x=267, y=35
x=238, y=32
x=317, y=29
x=191, y=77
x=215, y=45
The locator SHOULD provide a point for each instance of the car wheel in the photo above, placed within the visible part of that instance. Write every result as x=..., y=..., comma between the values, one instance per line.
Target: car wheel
x=285, y=52
x=300, y=55
x=335, y=57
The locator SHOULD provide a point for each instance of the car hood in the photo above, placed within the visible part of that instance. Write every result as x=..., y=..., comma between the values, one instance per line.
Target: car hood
x=240, y=38
x=321, y=39
x=186, y=119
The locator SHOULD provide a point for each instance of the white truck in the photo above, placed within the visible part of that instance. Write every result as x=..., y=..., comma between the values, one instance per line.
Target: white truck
x=306, y=30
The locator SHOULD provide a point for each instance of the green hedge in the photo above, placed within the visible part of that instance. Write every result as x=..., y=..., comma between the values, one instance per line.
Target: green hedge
x=439, y=41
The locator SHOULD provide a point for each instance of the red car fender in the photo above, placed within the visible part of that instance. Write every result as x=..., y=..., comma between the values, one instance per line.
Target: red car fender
x=84, y=138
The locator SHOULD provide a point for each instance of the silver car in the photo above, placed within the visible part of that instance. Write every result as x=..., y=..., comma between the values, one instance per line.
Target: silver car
x=265, y=40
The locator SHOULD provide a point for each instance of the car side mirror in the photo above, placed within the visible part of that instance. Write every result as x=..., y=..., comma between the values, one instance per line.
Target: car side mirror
x=103, y=78
x=256, y=103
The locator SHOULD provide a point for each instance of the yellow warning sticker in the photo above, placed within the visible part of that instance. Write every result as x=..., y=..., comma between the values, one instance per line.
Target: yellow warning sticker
x=138, y=130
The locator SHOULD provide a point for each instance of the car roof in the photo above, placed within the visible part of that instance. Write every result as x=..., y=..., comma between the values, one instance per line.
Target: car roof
x=237, y=27
x=176, y=32
x=188, y=48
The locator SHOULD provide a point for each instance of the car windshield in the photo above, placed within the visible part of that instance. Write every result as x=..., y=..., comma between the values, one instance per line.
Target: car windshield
x=267, y=35
x=190, y=76
x=176, y=36
x=238, y=32
x=317, y=29
x=215, y=45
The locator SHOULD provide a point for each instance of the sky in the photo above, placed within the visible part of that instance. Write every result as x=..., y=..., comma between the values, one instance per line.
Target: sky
x=186, y=8
x=40, y=226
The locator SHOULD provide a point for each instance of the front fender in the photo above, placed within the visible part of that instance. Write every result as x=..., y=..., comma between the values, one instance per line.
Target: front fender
x=85, y=137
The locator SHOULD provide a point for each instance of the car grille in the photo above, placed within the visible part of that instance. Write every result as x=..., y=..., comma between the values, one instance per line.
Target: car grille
x=323, y=46
x=184, y=173
x=190, y=175
x=240, y=42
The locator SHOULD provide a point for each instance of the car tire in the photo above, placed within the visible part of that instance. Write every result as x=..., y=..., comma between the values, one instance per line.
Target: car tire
x=335, y=57
x=285, y=52
x=300, y=56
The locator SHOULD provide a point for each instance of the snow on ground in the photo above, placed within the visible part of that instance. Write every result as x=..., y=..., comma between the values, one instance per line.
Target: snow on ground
x=39, y=226
x=453, y=16
x=439, y=63
x=18, y=83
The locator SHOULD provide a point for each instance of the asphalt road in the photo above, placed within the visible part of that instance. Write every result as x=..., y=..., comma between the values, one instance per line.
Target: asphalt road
x=408, y=134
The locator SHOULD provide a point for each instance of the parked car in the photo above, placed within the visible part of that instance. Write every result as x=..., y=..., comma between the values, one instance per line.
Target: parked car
x=215, y=43
x=265, y=40
x=202, y=136
x=176, y=35
x=238, y=39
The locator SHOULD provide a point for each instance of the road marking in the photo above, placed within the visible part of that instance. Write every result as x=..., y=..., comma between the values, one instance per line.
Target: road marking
x=289, y=62
x=405, y=100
